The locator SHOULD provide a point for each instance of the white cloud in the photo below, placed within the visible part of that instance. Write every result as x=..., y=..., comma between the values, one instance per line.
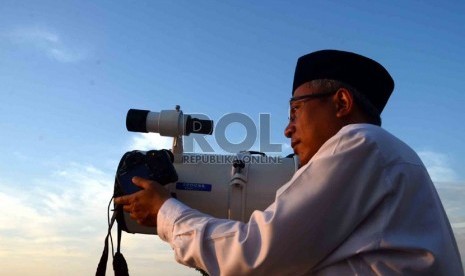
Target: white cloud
x=62, y=219
x=47, y=42
x=56, y=213
x=150, y=141
x=438, y=166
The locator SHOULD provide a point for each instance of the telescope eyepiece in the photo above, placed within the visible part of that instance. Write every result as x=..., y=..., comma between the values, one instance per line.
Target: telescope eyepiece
x=136, y=120
x=166, y=122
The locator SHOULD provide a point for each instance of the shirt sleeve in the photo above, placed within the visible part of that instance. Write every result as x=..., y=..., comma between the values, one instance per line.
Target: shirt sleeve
x=311, y=215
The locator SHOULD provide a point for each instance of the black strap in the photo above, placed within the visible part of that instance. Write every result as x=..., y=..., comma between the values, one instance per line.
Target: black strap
x=102, y=265
x=120, y=265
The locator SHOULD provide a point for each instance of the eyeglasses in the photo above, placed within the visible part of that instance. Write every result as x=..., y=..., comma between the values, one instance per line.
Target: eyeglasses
x=293, y=108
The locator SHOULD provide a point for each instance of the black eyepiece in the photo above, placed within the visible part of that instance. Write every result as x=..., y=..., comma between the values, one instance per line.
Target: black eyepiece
x=136, y=120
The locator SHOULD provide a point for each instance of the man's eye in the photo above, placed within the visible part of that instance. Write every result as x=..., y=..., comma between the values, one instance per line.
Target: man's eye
x=292, y=110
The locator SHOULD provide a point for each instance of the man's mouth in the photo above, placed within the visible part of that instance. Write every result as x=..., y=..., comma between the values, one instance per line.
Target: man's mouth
x=294, y=143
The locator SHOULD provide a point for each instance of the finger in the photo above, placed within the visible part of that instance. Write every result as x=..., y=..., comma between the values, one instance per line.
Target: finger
x=127, y=208
x=141, y=182
x=122, y=200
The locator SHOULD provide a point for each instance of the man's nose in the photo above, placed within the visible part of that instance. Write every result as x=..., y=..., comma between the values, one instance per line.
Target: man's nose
x=289, y=130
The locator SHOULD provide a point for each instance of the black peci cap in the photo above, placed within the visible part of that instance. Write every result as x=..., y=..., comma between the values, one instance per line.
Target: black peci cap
x=364, y=74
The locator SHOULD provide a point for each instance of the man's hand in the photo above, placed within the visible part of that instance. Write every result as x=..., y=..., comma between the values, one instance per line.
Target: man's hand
x=143, y=206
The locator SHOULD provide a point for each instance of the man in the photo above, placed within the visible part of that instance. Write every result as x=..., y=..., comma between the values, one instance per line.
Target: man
x=361, y=203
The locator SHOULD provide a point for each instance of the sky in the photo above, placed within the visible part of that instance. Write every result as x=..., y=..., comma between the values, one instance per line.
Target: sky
x=70, y=71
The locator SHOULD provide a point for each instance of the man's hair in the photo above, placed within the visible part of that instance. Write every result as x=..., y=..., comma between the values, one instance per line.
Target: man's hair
x=328, y=86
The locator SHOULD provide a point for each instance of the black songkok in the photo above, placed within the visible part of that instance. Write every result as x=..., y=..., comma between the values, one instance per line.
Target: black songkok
x=364, y=74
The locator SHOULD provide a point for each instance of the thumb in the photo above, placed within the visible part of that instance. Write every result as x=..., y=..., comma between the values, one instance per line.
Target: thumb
x=141, y=182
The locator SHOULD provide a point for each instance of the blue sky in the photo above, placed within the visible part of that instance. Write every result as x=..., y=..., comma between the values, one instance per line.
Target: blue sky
x=70, y=70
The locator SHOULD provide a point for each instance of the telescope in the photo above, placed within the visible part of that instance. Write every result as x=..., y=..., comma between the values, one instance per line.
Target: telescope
x=224, y=186
x=166, y=122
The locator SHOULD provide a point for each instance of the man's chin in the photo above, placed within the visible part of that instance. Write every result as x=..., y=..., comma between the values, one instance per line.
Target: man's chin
x=302, y=160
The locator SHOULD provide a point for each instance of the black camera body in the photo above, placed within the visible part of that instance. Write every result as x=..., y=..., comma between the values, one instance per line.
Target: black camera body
x=155, y=165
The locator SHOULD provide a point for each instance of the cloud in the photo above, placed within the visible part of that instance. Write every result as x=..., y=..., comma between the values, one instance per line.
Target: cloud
x=56, y=217
x=61, y=218
x=150, y=141
x=47, y=42
x=438, y=166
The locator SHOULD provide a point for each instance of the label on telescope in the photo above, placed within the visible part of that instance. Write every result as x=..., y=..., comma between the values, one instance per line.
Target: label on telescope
x=187, y=186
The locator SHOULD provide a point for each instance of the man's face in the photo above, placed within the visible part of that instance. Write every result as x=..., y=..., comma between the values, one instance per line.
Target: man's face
x=312, y=121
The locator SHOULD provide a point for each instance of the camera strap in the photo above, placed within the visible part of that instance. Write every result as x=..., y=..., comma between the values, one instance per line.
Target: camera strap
x=120, y=265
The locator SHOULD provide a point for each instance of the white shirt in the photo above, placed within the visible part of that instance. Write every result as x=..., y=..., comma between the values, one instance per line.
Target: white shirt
x=363, y=205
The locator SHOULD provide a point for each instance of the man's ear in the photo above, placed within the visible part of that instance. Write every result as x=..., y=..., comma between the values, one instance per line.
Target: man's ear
x=344, y=102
